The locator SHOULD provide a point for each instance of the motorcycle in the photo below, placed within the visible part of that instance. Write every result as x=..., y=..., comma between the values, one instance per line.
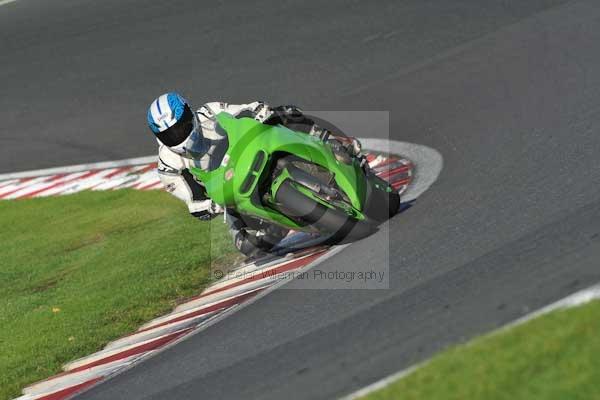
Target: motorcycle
x=297, y=181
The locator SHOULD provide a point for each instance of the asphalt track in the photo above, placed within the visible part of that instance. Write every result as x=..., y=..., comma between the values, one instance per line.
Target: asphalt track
x=507, y=92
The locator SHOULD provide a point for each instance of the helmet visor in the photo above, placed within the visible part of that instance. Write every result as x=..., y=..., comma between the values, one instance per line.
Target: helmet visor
x=196, y=145
x=178, y=133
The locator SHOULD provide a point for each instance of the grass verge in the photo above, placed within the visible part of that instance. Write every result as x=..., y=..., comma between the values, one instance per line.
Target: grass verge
x=80, y=270
x=556, y=356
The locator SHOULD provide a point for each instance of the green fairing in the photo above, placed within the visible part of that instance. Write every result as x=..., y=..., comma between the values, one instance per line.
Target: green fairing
x=247, y=137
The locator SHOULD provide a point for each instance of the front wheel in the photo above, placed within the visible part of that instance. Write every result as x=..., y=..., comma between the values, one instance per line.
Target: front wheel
x=342, y=227
x=382, y=202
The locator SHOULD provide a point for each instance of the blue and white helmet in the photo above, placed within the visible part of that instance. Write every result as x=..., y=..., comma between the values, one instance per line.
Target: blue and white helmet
x=176, y=125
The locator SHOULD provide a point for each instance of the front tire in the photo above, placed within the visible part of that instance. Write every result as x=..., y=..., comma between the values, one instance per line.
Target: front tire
x=381, y=205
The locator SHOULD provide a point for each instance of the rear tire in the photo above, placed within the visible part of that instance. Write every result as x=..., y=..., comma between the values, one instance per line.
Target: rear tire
x=343, y=227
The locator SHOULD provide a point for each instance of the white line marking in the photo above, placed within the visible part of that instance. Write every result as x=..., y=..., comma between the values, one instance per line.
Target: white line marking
x=576, y=299
x=381, y=384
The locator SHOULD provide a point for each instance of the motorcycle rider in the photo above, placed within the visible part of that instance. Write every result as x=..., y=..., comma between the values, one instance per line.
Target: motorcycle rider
x=194, y=139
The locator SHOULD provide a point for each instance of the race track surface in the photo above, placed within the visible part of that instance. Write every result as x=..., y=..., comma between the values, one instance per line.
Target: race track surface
x=508, y=92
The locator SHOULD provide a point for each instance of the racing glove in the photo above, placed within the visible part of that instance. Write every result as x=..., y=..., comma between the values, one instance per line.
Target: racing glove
x=352, y=145
x=210, y=213
x=338, y=143
x=288, y=114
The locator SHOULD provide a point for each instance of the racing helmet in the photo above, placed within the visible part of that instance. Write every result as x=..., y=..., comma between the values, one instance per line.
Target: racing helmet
x=176, y=126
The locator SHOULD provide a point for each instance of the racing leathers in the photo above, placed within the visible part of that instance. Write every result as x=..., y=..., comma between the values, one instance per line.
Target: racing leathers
x=250, y=236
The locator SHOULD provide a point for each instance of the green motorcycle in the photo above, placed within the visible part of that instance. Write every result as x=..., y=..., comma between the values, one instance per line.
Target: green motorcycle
x=292, y=179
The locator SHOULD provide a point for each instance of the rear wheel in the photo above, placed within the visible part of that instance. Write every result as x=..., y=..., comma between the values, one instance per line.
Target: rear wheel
x=343, y=227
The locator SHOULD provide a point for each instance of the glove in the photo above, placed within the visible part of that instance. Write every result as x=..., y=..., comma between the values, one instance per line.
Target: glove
x=261, y=111
x=207, y=215
x=257, y=110
x=288, y=114
x=215, y=208
x=346, y=151
x=356, y=147
x=352, y=145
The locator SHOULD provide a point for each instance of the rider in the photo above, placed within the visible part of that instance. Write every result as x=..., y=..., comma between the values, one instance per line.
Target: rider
x=194, y=139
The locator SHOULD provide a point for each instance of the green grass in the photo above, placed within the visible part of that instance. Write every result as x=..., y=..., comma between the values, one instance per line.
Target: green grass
x=80, y=270
x=554, y=357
